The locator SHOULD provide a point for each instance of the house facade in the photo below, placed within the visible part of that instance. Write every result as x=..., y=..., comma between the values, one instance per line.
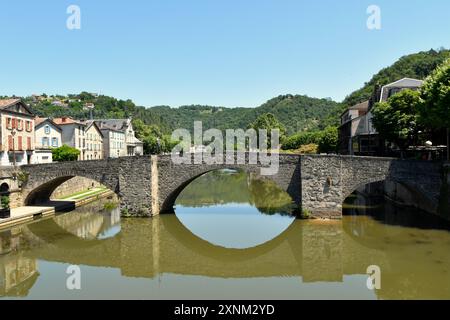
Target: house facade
x=16, y=133
x=119, y=138
x=73, y=134
x=357, y=135
x=94, y=142
x=48, y=137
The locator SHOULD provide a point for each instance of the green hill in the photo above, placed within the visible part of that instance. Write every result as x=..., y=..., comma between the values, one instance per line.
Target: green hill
x=295, y=112
x=418, y=66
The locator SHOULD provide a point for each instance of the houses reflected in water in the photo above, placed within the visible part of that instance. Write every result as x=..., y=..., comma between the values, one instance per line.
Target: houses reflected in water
x=19, y=272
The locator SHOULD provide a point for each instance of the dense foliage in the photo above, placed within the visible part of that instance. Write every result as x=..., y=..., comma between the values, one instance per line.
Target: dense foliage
x=324, y=141
x=269, y=123
x=397, y=119
x=65, y=153
x=435, y=110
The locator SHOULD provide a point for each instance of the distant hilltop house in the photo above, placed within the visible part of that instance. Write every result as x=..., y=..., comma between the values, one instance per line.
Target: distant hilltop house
x=357, y=136
x=59, y=103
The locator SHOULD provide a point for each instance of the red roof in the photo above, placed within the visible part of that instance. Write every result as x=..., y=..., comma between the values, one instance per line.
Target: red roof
x=66, y=120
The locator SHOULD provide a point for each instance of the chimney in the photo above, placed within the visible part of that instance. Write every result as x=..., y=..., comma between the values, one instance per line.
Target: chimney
x=64, y=119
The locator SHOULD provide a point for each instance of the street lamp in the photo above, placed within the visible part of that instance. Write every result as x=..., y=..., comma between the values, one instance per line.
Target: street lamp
x=158, y=145
x=13, y=134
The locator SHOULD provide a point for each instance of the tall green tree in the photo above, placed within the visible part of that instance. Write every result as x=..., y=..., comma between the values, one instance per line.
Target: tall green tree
x=328, y=140
x=397, y=119
x=268, y=122
x=435, y=110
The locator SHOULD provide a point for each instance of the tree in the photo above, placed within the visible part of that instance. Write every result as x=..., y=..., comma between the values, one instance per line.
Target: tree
x=269, y=122
x=435, y=110
x=65, y=153
x=397, y=119
x=329, y=140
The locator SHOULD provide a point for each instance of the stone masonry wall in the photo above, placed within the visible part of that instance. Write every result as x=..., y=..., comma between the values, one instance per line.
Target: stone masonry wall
x=74, y=185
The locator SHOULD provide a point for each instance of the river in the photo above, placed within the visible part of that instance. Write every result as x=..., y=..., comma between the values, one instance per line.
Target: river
x=232, y=237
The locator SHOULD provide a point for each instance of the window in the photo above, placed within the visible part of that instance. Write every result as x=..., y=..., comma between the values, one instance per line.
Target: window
x=45, y=158
x=10, y=143
x=9, y=123
x=19, y=124
x=47, y=129
x=29, y=127
x=55, y=142
x=29, y=143
x=45, y=142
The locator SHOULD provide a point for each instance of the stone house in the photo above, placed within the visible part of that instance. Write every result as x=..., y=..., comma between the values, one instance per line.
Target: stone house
x=48, y=136
x=357, y=135
x=94, y=141
x=17, y=140
x=119, y=138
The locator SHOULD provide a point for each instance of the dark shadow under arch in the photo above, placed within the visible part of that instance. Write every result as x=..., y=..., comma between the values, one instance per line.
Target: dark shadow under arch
x=415, y=190
x=42, y=194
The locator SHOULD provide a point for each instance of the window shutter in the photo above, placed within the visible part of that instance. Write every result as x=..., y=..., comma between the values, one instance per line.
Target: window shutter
x=19, y=142
x=10, y=143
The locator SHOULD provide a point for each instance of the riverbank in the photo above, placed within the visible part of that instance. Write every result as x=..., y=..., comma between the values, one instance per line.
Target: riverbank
x=29, y=213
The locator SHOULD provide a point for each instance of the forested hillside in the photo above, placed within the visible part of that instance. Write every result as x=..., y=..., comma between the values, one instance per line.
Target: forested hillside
x=297, y=113
x=294, y=111
x=418, y=66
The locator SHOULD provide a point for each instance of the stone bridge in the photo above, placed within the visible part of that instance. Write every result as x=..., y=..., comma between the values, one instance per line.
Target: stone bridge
x=149, y=185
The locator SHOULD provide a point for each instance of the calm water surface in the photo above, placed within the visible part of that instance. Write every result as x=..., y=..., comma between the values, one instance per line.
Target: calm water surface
x=232, y=237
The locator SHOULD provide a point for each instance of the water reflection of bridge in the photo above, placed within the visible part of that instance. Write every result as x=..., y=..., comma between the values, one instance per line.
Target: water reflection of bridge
x=315, y=251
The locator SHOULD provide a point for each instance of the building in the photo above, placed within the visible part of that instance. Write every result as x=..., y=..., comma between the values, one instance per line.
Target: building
x=357, y=136
x=73, y=134
x=94, y=141
x=48, y=136
x=119, y=138
x=16, y=132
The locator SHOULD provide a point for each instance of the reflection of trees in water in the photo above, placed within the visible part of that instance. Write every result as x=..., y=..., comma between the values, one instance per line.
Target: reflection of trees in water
x=216, y=187
x=268, y=198
x=226, y=186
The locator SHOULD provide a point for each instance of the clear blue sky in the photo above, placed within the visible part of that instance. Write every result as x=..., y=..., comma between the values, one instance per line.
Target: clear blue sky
x=217, y=52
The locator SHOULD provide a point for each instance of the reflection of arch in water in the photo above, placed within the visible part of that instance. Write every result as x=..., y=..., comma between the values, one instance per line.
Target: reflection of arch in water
x=206, y=249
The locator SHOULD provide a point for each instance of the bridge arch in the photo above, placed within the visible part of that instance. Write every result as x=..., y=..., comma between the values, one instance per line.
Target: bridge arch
x=173, y=179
